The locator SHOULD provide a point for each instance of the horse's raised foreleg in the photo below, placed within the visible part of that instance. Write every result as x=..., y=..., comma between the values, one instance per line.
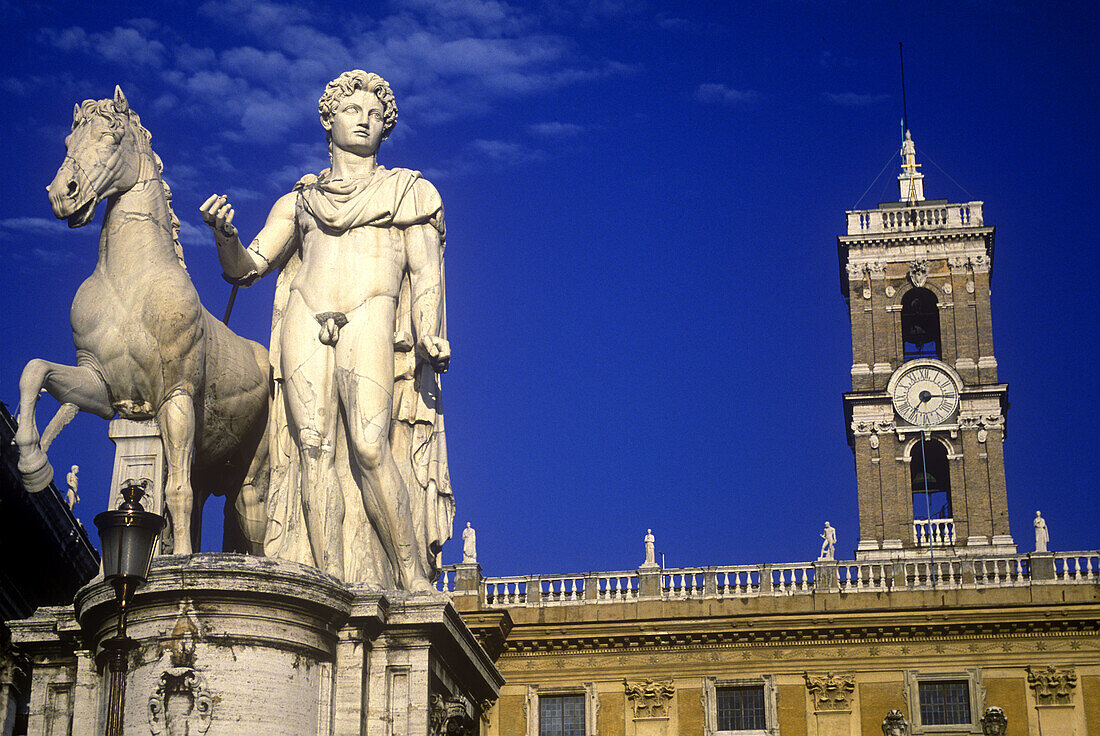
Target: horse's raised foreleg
x=72, y=385
x=176, y=418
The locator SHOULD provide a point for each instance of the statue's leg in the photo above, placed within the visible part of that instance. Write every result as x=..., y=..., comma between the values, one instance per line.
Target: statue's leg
x=70, y=384
x=176, y=418
x=313, y=412
x=364, y=376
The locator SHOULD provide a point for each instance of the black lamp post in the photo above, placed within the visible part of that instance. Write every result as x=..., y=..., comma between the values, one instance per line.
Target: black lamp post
x=127, y=537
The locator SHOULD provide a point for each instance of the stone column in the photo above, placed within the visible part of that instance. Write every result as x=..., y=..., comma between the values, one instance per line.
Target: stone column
x=1053, y=689
x=10, y=693
x=832, y=699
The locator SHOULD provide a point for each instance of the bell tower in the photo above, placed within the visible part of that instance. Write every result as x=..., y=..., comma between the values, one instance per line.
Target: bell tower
x=926, y=413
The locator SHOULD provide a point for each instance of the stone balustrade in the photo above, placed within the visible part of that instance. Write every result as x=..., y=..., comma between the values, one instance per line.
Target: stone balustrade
x=908, y=573
x=908, y=219
x=934, y=532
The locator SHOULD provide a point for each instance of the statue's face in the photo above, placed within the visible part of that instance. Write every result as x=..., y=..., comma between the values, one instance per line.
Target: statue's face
x=357, y=124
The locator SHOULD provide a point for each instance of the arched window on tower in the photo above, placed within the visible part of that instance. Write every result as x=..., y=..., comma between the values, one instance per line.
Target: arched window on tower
x=920, y=324
x=930, y=477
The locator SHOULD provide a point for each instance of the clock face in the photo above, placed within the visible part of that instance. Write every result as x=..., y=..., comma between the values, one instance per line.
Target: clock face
x=925, y=396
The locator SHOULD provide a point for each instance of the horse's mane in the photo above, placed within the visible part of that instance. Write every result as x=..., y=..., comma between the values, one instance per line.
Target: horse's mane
x=105, y=109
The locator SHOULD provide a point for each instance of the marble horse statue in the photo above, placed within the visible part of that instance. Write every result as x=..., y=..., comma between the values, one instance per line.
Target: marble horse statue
x=145, y=346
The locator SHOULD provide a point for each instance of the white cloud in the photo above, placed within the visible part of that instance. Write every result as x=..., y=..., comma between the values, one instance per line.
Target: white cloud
x=555, y=129
x=32, y=226
x=194, y=236
x=725, y=95
x=446, y=59
x=505, y=152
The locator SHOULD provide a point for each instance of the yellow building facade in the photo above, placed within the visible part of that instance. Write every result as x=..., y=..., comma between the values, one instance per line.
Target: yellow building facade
x=938, y=626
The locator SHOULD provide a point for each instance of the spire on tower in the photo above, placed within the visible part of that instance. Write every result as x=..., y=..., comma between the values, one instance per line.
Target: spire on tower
x=910, y=181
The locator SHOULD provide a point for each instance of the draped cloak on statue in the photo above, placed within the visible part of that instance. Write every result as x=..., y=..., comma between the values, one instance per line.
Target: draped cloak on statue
x=390, y=198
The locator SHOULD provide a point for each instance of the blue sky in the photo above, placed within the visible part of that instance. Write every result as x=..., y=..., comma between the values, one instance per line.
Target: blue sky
x=642, y=206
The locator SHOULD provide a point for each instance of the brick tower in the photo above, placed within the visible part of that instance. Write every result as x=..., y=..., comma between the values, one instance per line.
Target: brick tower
x=926, y=413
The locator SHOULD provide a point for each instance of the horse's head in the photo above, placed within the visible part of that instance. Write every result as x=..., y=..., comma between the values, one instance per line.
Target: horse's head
x=102, y=158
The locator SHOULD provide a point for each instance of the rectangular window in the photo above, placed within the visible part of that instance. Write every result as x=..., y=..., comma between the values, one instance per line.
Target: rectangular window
x=561, y=715
x=945, y=703
x=741, y=708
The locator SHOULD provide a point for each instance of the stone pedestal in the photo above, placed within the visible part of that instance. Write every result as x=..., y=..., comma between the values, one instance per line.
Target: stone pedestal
x=833, y=723
x=234, y=644
x=1057, y=719
x=139, y=454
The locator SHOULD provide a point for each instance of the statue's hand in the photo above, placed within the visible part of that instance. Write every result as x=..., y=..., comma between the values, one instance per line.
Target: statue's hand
x=436, y=351
x=218, y=214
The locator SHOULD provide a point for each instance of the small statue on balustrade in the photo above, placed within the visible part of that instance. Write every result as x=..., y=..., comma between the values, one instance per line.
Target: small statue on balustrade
x=650, y=550
x=71, y=495
x=1042, y=536
x=469, y=545
x=828, y=547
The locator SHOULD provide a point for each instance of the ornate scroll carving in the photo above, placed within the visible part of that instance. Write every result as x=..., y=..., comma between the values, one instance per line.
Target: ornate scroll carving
x=831, y=691
x=181, y=704
x=1052, y=685
x=449, y=717
x=860, y=427
x=983, y=423
x=650, y=698
x=894, y=724
x=918, y=272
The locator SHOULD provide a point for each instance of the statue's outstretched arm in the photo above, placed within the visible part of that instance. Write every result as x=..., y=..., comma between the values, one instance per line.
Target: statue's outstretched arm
x=245, y=265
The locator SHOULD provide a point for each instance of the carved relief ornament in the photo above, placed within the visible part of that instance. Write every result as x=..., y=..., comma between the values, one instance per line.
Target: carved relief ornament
x=918, y=272
x=1052, y=685
x=866, y=269
x=894, y=724
x=449, y=717
x=650, y=698
x=982, y=422
x=862, y=427
x=181, y=704
x=831, y=691
x=994, y=722
x=961, y=264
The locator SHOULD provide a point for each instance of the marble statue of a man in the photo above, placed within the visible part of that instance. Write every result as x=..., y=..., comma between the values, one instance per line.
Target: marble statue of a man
x=469, y=545
x=828, y=547
x=1042, y=535
x=72, y=496
x=359, y=484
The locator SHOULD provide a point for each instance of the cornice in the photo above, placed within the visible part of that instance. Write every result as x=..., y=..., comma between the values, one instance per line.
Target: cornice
x=916, y=236
x=988, y=625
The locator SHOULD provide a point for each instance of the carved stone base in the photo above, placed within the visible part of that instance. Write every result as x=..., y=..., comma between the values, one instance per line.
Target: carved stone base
x=232, y=644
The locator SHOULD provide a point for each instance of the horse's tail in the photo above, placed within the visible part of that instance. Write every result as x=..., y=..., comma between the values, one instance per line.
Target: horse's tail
x=64, y=415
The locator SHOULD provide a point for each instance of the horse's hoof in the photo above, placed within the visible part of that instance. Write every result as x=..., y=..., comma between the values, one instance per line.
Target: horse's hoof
x=36, y=475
